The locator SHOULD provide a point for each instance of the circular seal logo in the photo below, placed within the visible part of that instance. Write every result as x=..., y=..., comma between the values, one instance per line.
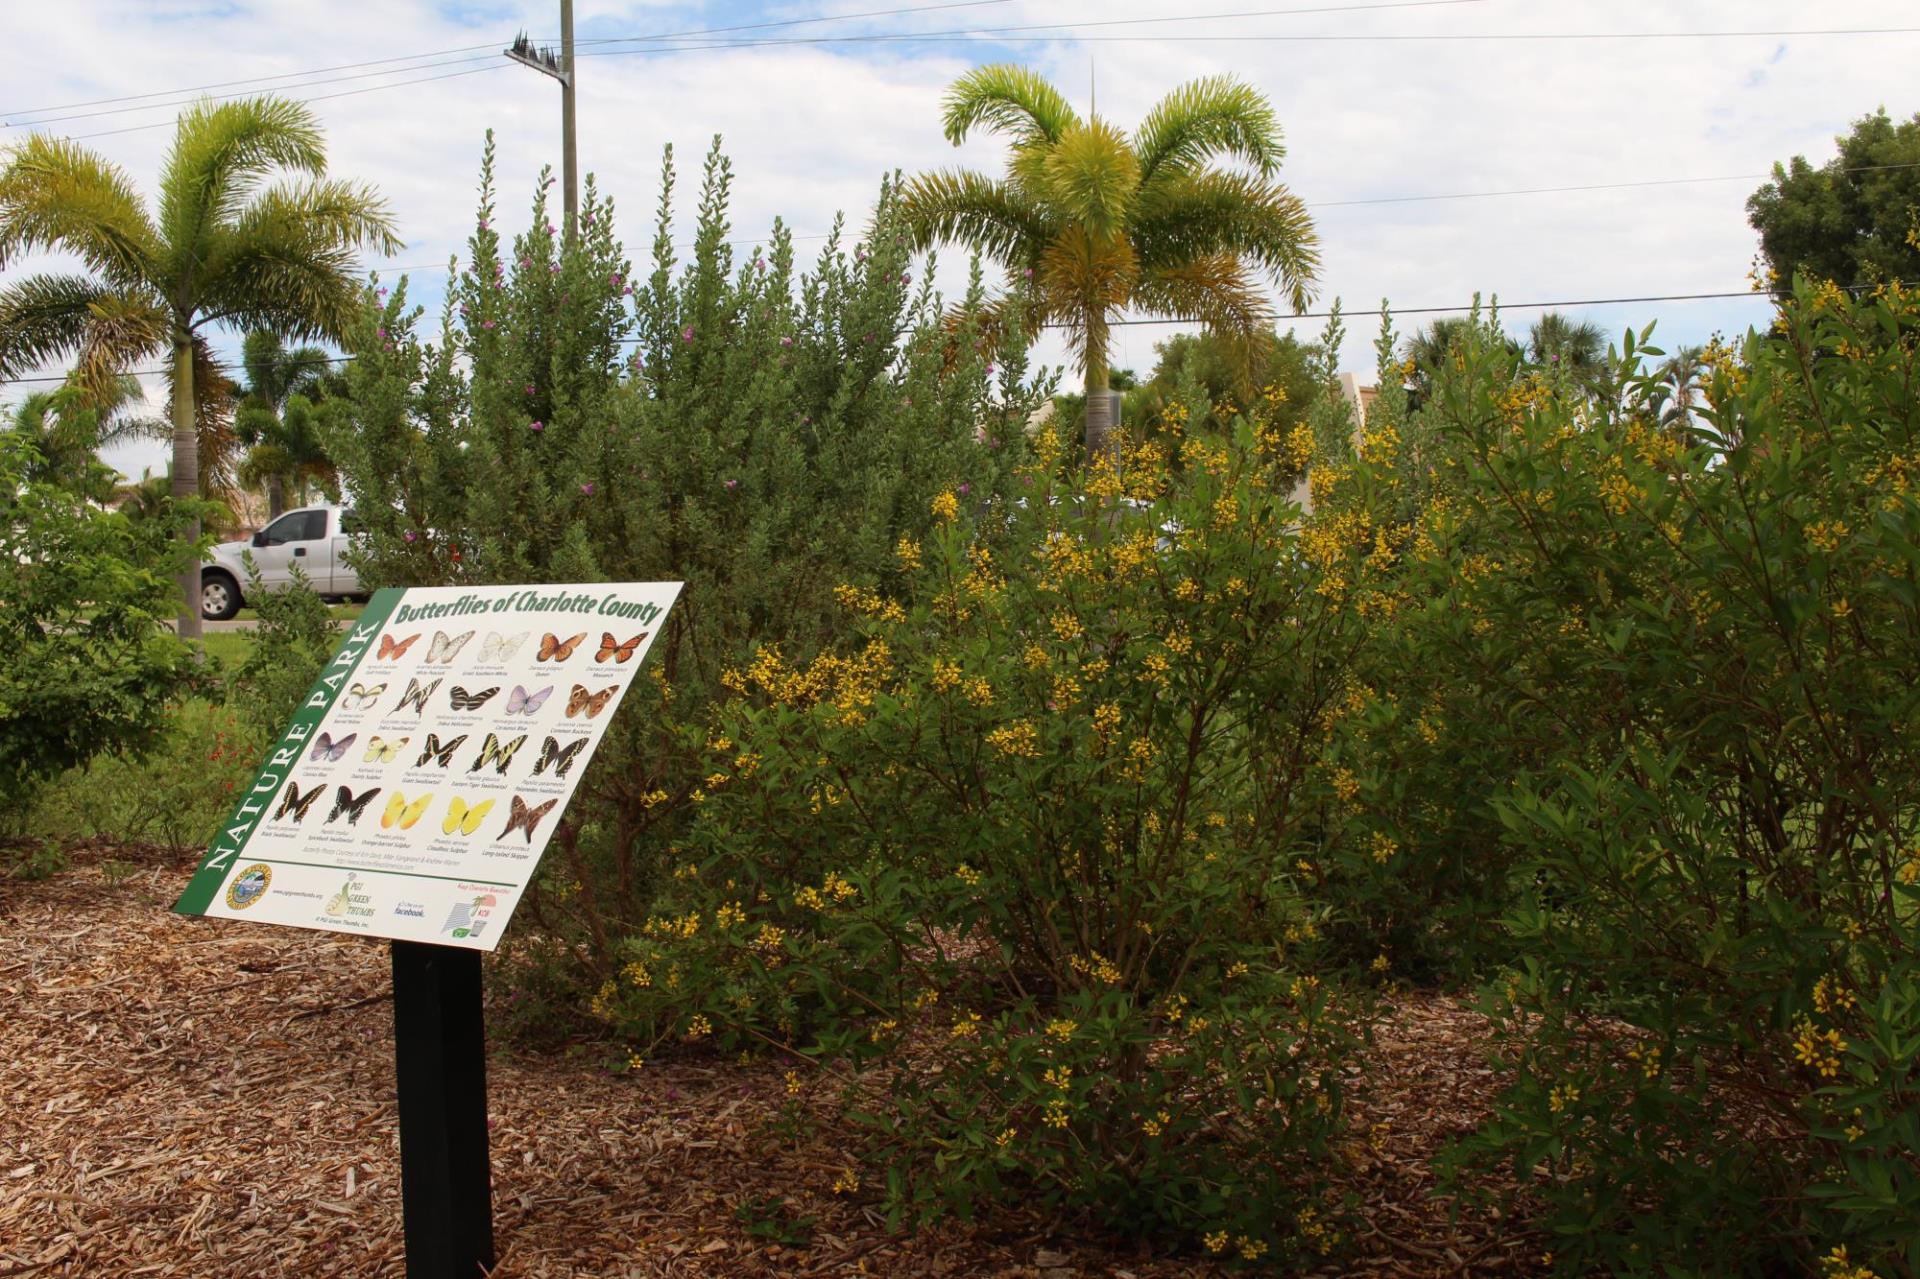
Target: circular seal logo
x=249, y=886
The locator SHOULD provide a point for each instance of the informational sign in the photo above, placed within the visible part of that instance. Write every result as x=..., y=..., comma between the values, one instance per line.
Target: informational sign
x=417, y=787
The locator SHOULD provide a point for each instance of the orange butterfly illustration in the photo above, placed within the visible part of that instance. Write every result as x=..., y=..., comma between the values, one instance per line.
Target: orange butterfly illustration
x=390, y=647
x=554, y=649
x=592, y=703
x=610, y=647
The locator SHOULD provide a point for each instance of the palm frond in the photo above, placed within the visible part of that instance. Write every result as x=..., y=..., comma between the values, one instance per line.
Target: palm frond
x=42, y=318
x=1092, y=175
x=220, y=152
x=56, y=194
x=288, y=261
x=1218, y=291
x=1082, y=281
x=1218, y=115
x=1196, y=215
x=121, y=329
x=1009, y=99
x=963, y=207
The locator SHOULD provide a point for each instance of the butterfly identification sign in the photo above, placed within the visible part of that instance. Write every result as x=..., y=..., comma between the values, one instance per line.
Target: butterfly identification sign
x=413, y=794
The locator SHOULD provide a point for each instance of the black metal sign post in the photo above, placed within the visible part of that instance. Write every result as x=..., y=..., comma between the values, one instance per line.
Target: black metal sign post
x=440, y=1062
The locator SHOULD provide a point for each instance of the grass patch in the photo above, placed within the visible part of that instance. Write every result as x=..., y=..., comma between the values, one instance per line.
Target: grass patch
x=229, y=648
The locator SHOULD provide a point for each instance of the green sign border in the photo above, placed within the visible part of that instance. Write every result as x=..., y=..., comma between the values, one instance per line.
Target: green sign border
x=259, y=797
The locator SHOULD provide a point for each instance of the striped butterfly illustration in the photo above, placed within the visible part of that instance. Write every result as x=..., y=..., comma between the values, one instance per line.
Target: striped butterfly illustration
x=555, y=649
x=416, y=695
x=500, y=648
x=521, y=817
x=292, y=801
x=344, y=801
x=619, y=652
x=390, y=647
x=329, y=751
x=445, y=647
x=495, y=753
x=403, y=814
x=592, y=703
x=559, y=757
x=360, y=697
x=382, y=751
x=462, y=700
x=437, y=750
x=465, y=817
x=521, y=702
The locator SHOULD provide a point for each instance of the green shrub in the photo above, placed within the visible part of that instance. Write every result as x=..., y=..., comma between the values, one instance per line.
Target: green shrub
x=293, y=639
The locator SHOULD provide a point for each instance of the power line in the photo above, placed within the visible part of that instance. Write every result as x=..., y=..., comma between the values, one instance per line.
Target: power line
x=801, y=22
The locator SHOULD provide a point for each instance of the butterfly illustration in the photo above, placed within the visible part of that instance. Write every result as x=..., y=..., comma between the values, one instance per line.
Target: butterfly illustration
x=521, y=702
x=360, y=696
x=417, y=695
x=610, y=647
x=555, y=649
x=521, y=817
x=551, y=752
x=465, y=817
x=445, y=646
x=499, y=648
x=329, y=751
x=382, y=751
x=344, y=802
x=443, y=752
x=592, y=703
x=493, y=752
x=292, y=801
x=461, y=700
x=390, y=647
x=402, y=814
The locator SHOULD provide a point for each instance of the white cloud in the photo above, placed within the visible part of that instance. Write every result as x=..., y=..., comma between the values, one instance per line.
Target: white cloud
x=811, y=128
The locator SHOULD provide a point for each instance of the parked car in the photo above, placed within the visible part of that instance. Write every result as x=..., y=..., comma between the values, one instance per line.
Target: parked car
x=313, y=537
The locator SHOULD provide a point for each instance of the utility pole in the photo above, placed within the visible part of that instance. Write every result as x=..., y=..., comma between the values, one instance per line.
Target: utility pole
x=543, y=60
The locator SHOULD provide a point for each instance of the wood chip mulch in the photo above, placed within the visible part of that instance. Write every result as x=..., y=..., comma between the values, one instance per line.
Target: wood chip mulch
x=196, y=1097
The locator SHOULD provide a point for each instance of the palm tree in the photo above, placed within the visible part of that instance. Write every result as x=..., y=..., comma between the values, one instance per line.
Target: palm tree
x=275, y=416
x=1683, y=373
x=1088, y=222
x=222, y=247
x=1577, y=347
x=67, y=426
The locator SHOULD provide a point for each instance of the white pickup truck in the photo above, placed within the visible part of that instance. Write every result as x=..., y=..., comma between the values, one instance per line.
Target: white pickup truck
x=313, y=537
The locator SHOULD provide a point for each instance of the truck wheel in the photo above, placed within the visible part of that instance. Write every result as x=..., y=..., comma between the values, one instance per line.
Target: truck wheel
x=219, y=596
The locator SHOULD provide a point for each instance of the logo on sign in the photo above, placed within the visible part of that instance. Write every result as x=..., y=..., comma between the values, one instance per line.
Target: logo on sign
x=249, y=886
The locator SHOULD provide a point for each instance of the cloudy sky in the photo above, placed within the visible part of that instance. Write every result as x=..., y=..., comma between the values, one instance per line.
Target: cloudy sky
x=1380, y=101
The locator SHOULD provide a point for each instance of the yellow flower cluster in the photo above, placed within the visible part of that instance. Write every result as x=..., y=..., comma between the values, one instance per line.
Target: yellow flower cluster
x=847, y=1182
x=968, y=875
x=1096, y=967
x=868, y=603
x=1826, y=535
x=1837, y=1265
x=1067, y=627
x=1831, y=994
x=907, y=552
x=1562, y=1096
x=966, y=1026
x=637, y=974
x=1062, y=1029
x=1018, y=738
x=1384, y=846
x=1818, y=1049
x=945, y=507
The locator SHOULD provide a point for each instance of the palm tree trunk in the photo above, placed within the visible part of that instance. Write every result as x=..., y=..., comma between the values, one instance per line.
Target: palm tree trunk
x=186, y=476
x=276, y=497
x=1099, y=408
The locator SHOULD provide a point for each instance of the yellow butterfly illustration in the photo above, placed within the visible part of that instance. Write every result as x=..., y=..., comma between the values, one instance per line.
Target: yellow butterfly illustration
x=465, y=817
x=402, y=814
x=382, y=751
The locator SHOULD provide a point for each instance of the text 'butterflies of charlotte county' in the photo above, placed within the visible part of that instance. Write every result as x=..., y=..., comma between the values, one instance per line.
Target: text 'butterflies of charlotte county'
x=492, y=752
x=344, y=802
x=446, y=647
x=360, y=697
x=403, y=814
x=465, y=817
x=555, y=649
x=500, y=648
x=329, y=751
x=462, y=700
x=521, y=817
x=521, y=702
x=560, y=758
x=416, y=696
x=292, y=801
x=617, y=651
x=392, y=648
x=436, y=749
x=382, y=751
x=592, y=703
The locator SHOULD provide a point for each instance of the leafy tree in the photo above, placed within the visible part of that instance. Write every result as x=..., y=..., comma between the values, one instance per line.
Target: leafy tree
x=221, y=247
x=275, y=418
x=1854, y=220
x=68, y=425
x=1575, y=348
x=1089, y=222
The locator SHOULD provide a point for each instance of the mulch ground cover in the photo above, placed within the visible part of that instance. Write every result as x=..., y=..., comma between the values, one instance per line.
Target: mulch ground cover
x=197, y=1097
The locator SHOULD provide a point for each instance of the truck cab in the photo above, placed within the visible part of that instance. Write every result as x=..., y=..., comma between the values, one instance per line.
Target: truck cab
x=314, y=538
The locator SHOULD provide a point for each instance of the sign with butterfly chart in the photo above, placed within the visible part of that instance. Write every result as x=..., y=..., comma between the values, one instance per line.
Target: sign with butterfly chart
x=415, y=791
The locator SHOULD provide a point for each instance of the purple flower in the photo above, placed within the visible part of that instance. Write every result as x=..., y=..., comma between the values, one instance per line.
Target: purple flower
x=536, y=425
x=905, y=278
x=526, y=262
x=627, y=292
x=867, y=338
x=686, y=334
x=381, y=291
x=549, y=228
x=588, y=220
x=381, y=333
x=486, y=324
x=529, y=388
x=616, y=278
x=733, y=484
x=411, y=535
x=553, y=269
x=965, y=489
x=587, y=488
x=990, y=370
x=760, y=264
x=484, y=224
x=787, y=340
x=1028, y=273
